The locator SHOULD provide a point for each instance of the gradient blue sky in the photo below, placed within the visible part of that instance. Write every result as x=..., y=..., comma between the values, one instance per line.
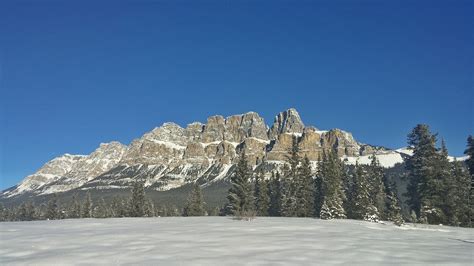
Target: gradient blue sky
x=73, y=76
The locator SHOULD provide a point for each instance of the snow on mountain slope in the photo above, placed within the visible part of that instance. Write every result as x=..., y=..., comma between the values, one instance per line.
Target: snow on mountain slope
x=50, y=172
x=170, y=156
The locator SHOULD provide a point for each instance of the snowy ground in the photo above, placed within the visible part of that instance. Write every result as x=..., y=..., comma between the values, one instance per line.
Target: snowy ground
x=223, y=241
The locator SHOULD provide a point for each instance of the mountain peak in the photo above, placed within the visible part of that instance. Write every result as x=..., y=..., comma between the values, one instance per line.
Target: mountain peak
x=288, y=121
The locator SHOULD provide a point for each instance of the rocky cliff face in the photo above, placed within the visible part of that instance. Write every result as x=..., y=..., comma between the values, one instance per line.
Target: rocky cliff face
x=170, y=156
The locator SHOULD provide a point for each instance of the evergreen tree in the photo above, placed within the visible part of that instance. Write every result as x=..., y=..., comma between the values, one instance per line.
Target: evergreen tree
x=421, y=169
x=393, y=209
x=240, y=193
x=290, y=183
x=52, y=211
x=275, y=194
x=332, y=175
x=195, y=204
x=376, y=187
x=3, y=213
x=26, y=211
x=361, y=195
x=87, y=206
x=318, y=185
x=262, y=199
x=440, y=184
x=75, y=210
x=305, y=190
x=470, y=165
x=458, y=208
x=470, y=152
x=137, y=200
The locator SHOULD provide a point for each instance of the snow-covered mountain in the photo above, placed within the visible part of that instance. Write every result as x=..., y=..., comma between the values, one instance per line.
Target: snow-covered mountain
x=170, y=156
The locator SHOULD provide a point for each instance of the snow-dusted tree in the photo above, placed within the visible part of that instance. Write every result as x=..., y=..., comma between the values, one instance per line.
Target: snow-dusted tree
x=262, y=199
x=87, y=206
x=52, y=210
x=470, y=153
x=305, y=190
x=470, y=165
x=275, y=194
x=421, y=171
x=393, y=208
x=195, y=203
x=319, y=185
x=457, y=205
x=75, y=208
x=376, y=188
x=290, y=183
x=240, y=194
x=137, y=200
x=26, y=211
x=363, y=206
x=332, y=173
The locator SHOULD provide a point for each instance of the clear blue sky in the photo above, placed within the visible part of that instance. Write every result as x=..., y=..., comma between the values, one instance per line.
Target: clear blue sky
x=73, y=76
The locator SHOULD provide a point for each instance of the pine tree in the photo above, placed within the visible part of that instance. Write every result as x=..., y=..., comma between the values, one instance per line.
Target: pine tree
x=393, y=208
x=137, y=200
x=376, y=187
x=470, y=165
x=440, y=184
x=274, y=188
x=87, y=206
x=421, y=170
x=305, y=190
x=332, y=175
x=75, y=210
x=458, y=208
x=26, y=211
x=3, y=213
x=195, y=204
x=361, y=196
x=262, y=199
x=240, y=193
x=470, y=153
x=291, y=183
x=52, y=211
x=318, y=185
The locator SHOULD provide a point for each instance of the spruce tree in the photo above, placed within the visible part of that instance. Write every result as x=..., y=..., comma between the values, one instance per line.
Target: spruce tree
x=332, y=175
x=361, y=195
x=291, y=183
x=26, y=211
x=421, y=170
x=458, y=208
x=262, y=199
x=318, y=185
x=240, y=194
x=393, y=208
x=75, y=211
x=274, y=188
x=87, y=206
x=137, y=200
x=376, y=188
x=470, y=165
x=470, y=153
x=305, y=190
x=195, y=203
x=52, y=211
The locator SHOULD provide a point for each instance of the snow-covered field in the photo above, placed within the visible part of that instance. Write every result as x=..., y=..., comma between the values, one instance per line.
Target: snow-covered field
x=223, y=241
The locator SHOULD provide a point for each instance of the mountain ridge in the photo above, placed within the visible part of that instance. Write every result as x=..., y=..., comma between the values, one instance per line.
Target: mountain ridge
x=171, y=156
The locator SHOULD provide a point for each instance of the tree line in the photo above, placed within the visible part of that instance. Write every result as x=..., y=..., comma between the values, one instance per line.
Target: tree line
x=438, y=191
x=136, y=205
